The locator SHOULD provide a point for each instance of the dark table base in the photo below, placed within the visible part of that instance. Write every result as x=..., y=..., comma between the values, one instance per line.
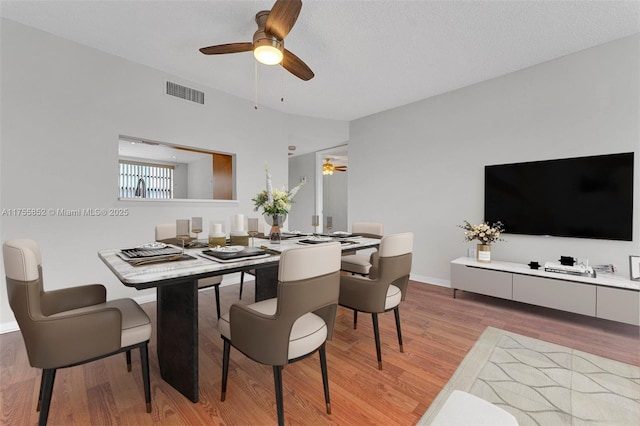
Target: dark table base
x=266, y=283
x=177, y=328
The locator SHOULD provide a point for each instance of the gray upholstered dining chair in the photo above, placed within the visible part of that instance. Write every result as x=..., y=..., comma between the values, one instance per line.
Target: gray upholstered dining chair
x=166, y=233
x=384, y=288
x=361, y=263
x=293, y=325
x=70, y=326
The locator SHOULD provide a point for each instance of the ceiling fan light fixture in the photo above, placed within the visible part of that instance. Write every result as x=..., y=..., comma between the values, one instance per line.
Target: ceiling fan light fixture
x=268, y=50
x=327, y=168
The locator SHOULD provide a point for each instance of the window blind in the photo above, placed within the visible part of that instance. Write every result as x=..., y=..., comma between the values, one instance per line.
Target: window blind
x=140, y=180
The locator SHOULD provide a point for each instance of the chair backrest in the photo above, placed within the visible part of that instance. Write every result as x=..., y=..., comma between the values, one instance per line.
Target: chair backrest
x=50, y=336
x=23, y=270
x=396, y=245
x=367, y=229
x=393, y=264
x=165, y=231
x=308, y=281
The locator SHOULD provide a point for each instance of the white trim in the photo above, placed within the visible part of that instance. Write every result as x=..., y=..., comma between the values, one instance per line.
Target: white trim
x=8, y=327
x=430, y=280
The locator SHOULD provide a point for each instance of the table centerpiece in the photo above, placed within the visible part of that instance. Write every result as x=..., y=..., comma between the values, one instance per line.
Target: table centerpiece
x=275, y=204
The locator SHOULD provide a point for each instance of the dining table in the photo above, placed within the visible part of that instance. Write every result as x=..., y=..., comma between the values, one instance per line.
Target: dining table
x=176, y=284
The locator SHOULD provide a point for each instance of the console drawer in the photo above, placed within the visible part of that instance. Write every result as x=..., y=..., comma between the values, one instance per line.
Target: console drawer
x=618, y=305
x=554, y=293
x=481, y=281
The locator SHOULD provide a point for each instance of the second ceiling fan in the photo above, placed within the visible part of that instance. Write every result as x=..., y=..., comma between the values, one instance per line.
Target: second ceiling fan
x=328, y=168
x=268, y=40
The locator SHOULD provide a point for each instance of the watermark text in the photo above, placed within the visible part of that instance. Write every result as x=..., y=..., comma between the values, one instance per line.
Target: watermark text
x=63, y=212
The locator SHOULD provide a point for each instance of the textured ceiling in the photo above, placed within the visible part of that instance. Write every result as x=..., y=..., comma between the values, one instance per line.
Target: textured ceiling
x=368, y=56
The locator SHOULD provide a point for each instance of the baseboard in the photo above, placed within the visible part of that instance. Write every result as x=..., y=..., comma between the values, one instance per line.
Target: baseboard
x=430, y=280
x=8, y=327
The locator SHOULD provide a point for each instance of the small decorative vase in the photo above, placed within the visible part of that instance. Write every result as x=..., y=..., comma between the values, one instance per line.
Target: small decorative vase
x=276, y=222
x=483, y=253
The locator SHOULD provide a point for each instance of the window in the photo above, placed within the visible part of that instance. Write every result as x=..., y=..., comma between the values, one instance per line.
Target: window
x=164, y=171
x=142, y=180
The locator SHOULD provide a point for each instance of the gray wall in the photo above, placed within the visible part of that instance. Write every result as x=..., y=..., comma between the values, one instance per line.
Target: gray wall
x=335, y=201
x=304, y=205
x=333, y=190
x=62, y=111
x=433, y=152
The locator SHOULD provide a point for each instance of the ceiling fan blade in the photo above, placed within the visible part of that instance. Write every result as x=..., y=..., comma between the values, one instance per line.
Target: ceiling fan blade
x=282, y=17
x=227, y=48
x=340, y=168
x=295, y=66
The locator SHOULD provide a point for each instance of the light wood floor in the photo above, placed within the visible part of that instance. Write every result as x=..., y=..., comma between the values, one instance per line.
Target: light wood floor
x=437, y=329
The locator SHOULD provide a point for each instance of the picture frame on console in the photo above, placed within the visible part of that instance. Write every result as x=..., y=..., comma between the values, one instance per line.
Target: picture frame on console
x=634, y=268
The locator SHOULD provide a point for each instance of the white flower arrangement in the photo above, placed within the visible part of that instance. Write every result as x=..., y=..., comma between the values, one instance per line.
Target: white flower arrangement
x=484, y=233
x=274, y=201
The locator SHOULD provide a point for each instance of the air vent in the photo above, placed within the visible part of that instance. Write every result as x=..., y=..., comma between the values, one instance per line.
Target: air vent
x=184, y=92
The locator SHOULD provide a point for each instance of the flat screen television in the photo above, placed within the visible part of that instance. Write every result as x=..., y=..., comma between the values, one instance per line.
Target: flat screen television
x=584, y=197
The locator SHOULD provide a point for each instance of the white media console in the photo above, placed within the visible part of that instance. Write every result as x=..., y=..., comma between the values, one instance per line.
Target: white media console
x=605, y=296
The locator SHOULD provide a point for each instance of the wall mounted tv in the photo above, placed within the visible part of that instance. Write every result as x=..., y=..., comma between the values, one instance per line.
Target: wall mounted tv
x=584, y=197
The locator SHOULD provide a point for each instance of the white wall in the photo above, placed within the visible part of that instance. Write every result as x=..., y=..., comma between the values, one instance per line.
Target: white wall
x=304, y=206
x=181, y=181
x=420, y=167
x=63, y=107
x=201, y=179
x=335, y=201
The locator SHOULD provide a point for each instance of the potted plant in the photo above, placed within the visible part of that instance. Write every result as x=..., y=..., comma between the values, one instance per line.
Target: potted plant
x=485, y=234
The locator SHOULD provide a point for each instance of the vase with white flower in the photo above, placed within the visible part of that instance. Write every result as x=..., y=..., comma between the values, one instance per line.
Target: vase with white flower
x=275, y=204
x=485, y=234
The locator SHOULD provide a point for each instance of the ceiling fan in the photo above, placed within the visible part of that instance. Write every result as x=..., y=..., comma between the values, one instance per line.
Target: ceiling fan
x=268, y=40
x=328, y=168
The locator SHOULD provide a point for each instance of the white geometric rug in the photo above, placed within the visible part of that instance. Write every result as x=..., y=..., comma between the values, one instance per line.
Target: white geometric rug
x=541, y=383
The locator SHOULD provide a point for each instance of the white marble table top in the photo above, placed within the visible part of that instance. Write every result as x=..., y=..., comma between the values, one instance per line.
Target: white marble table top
x=154, y=272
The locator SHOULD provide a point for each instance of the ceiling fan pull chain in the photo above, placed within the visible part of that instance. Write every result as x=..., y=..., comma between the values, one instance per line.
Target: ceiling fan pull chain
x=255, y=85
x=282, y=83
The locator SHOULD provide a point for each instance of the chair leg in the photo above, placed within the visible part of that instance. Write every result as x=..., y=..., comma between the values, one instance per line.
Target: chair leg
x=40, y=393
x=217, y=290
x=376, y=333
x=355, y=319
x=396, y=312
x=325, y=376
x=277, y=379
x=127, y=354
x=241, y=282
x=225, y=368
x=144, y=361
x=48, y=377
